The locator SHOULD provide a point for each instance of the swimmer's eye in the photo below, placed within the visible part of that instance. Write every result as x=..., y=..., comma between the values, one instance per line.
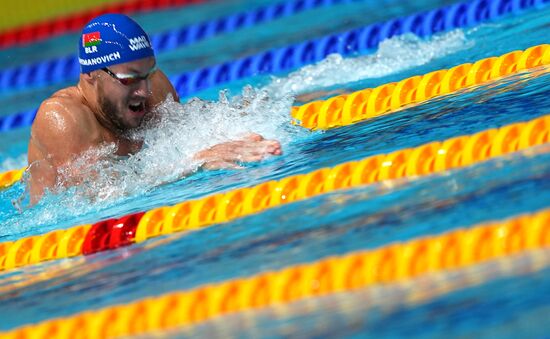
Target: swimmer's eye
x=129, y=79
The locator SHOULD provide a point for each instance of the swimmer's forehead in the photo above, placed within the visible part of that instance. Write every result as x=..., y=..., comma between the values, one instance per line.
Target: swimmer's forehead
x=135, y=67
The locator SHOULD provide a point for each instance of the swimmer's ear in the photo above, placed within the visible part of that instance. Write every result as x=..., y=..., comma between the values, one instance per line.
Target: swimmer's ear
x=88, y=77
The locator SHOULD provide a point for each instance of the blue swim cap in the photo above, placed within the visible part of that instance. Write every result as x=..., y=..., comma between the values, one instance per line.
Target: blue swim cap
x=112, y=39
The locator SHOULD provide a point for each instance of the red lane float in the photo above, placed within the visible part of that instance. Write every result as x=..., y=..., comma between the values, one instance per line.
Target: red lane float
x=40, y=31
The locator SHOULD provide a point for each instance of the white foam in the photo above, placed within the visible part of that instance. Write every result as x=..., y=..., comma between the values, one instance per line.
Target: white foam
x=180, y=132
x=170, y=143
x=394, y=55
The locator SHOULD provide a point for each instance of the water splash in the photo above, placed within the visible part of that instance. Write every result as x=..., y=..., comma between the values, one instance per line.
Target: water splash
x=97, y=178
x=394, y=55
x=180, y=131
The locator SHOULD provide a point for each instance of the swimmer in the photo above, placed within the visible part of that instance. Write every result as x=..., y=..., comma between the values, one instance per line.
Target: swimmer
x=119, y=86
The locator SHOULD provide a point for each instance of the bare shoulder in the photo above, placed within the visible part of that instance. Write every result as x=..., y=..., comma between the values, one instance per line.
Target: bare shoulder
x=161, y=87
x=58, y=114
x=63, y=125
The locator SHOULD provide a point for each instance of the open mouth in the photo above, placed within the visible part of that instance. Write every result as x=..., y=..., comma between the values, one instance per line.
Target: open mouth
x=137, y=108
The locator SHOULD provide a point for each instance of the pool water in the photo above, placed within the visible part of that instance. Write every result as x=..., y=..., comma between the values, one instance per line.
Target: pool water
x=306, y=231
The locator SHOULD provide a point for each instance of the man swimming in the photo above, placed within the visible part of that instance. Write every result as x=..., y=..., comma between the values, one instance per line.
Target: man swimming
x=119, y=86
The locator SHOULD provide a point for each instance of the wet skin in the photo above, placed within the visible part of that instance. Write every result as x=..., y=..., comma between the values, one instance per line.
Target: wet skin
x=99, y=111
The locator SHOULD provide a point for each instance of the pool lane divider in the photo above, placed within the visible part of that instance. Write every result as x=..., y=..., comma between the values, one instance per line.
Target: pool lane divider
x=67, y=68
x=17, y=14
x=10, y=177
x=355, y=307
x=30, y=33
x=357, y=41
x=433, y=157
x=347, y=109
x=391, y=263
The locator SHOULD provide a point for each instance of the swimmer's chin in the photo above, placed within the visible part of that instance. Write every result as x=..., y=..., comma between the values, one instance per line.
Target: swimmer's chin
x=134, y=120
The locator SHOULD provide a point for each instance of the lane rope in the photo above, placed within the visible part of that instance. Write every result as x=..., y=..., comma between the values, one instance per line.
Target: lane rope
x=347, y=109
x=34, y=32
x=391, y=263
x=16, y=14
x=426, y=159
x=67, y=68
x=389, y=297
x=9, y=178
x=358, y=41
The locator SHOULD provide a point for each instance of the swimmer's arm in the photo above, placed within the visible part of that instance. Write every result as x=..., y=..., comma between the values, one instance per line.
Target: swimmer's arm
x=56, y=138
x=252, y=148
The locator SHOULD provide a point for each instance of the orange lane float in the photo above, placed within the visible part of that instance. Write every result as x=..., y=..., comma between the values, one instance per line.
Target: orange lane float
x=347, y=109
x=10, y=177
x=73, y=19
x=388, y=264
x=434, y=157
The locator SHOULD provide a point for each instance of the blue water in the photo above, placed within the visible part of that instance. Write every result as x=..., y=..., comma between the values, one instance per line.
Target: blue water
x=331, y=224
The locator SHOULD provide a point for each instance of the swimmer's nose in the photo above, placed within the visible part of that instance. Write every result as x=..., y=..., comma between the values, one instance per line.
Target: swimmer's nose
x=142, y=88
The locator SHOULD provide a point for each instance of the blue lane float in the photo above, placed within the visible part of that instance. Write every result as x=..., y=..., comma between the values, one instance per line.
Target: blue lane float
x=353, y=42
x=67, y=68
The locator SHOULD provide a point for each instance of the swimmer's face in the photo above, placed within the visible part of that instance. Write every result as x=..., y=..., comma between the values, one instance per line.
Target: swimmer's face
x=124, y=90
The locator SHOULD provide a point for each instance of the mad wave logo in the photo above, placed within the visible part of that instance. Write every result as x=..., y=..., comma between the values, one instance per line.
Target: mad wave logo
x=90, y=42
x=138, y=43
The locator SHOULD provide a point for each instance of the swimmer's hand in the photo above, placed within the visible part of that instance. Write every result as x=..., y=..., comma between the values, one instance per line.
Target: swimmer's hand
x=252, y=148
